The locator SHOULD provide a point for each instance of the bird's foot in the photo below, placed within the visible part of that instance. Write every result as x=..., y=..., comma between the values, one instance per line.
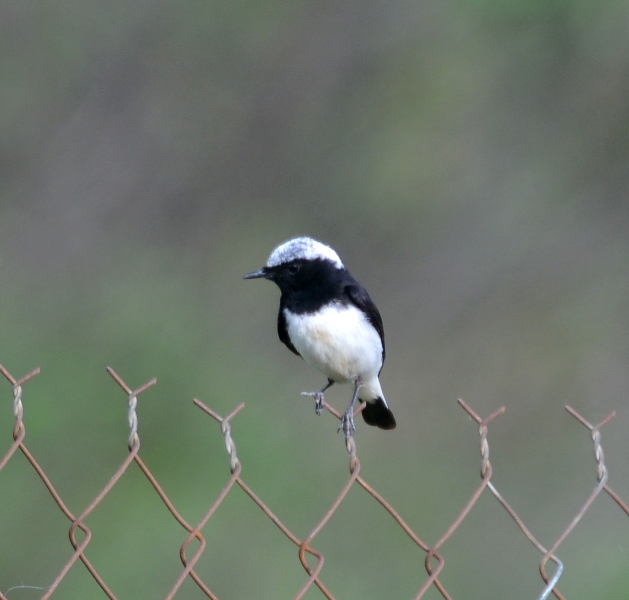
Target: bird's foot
x=319, y=400
x=347, y=423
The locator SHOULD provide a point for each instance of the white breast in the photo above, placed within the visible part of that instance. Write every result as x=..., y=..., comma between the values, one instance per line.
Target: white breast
x=339, y=341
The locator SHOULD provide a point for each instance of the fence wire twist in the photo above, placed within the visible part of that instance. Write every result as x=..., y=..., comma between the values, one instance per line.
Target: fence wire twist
x=434, y=561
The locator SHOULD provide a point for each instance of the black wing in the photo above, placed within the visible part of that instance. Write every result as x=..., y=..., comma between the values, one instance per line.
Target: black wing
x=282, y=332
x=359, y=297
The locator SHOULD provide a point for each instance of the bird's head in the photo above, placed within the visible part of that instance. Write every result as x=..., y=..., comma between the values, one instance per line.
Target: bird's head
x=298, y=263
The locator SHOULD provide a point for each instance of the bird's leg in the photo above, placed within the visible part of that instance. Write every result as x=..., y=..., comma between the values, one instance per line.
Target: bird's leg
x=347, y=420
x=318, y=396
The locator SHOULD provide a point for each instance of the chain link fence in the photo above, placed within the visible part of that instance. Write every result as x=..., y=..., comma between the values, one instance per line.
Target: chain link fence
x=195, y=543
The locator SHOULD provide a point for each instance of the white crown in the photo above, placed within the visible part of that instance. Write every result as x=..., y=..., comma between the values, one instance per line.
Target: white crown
x=305, y=248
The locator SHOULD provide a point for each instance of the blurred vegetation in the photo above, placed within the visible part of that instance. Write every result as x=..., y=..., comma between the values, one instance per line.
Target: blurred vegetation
x=468, y=161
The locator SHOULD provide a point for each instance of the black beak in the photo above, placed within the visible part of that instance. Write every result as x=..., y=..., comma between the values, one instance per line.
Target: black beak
x=256, y=274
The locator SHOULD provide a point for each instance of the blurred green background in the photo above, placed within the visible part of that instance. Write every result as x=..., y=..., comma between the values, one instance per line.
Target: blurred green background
x=469, y=161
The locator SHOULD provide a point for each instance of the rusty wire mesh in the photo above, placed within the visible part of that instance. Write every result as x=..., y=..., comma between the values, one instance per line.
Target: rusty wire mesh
x=434, y=561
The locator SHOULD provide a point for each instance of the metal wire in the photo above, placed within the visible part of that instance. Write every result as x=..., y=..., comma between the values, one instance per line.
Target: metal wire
x=433, y=557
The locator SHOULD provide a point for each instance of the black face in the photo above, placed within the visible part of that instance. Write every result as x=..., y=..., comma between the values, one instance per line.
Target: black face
x=307, y=283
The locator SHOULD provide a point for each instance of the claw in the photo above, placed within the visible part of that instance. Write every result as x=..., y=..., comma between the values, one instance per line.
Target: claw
x=347, y=420
x=347, y=424
x=319, y=400
x=318, y=396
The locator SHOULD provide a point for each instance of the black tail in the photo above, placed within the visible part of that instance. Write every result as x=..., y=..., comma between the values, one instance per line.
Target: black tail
x=378, y=414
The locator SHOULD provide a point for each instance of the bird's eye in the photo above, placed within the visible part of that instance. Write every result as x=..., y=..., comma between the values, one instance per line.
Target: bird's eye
x=292, y=269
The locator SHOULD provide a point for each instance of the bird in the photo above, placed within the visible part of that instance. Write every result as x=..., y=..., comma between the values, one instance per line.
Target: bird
x=327, y=318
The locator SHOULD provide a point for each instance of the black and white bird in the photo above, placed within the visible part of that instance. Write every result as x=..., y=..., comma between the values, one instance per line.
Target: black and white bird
x=328, y=319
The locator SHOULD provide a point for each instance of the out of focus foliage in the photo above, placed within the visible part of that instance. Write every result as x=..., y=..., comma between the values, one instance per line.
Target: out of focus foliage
x=470, y=163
